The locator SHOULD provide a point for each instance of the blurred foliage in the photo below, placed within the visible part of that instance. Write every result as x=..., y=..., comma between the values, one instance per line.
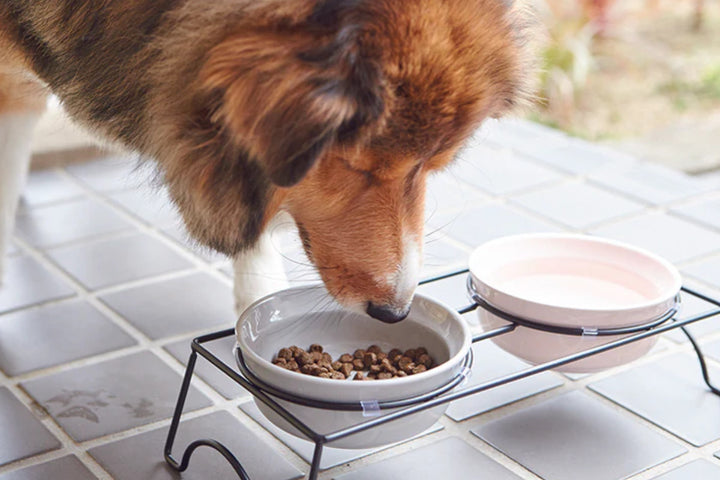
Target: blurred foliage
x=684, y=92
x=601, y=57
x=567, y=58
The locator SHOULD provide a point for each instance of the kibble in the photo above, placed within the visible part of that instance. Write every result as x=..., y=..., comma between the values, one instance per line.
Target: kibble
x=411, y=353
x=369, y=359
x=425, y=359
x=346, y=369
x=363, y=364
x=374, y=349
x=304, y=359
x=419, y=369
x=403, y=362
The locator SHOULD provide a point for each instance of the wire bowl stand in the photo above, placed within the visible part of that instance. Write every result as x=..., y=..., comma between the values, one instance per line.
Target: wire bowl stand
x=403, y=408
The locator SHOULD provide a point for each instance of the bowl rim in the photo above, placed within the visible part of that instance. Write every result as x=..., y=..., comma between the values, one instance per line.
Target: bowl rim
x=668, y=295
x=448, y=364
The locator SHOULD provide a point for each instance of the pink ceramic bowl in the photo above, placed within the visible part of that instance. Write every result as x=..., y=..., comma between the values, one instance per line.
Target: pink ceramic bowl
x=576, y=281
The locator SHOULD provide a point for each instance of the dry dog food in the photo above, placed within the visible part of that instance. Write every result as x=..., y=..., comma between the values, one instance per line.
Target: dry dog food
x=368, y=364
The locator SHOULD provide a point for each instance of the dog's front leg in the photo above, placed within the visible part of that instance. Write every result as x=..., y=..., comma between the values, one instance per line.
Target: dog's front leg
x=258, y=271
x=21, y=104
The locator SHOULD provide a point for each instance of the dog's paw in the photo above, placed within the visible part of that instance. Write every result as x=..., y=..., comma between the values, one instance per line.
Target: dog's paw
x=248, y=291
x=258, y=273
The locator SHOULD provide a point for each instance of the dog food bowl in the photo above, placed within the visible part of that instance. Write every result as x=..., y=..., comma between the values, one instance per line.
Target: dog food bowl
x=305, y=315
x=566, y=280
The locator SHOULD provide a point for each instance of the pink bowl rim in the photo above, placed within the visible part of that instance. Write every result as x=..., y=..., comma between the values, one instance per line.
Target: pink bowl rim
x=665, y=297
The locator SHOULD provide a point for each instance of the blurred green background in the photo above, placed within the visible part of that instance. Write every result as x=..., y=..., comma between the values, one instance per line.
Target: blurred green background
x=632, y=72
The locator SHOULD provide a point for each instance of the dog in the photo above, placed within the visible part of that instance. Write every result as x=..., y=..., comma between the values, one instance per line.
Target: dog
x=335, y=111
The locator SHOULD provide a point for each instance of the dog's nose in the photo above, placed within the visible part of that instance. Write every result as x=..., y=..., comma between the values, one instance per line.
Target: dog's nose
x=387, y=313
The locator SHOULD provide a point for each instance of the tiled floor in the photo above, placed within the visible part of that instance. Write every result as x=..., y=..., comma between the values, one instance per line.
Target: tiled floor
x=104, y=293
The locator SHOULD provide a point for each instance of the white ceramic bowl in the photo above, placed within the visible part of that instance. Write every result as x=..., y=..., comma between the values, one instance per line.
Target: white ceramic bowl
x=305, y=315
x=576, y=281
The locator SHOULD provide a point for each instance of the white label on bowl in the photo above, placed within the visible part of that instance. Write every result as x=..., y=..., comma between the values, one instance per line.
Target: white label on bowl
x=371, y=408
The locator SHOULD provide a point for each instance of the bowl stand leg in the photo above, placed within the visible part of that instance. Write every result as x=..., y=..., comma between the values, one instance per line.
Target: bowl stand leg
x=182, y=465
x=701, y=360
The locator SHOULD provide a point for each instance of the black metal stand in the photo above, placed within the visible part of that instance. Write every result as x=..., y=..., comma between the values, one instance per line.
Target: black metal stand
x=266, y=393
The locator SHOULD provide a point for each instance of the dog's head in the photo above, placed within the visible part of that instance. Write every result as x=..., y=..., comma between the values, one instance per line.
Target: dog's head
x=341, y=110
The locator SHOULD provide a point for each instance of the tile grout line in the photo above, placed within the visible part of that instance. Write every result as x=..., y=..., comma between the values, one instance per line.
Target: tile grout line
x=489, y=450
x=385, y=454
x=269, y=438
x=141, y=225
x=691, y=451
x=154, y=345
x=524, y=403
x=143, y=344
x=67, y=444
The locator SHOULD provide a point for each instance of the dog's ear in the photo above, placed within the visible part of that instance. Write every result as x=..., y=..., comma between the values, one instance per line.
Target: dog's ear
x=287, y=96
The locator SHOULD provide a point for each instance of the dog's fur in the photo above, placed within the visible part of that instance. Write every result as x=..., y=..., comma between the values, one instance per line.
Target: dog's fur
x=334, y=110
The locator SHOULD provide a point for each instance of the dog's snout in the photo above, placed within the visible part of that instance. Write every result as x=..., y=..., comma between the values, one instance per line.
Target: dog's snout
x=387, y=313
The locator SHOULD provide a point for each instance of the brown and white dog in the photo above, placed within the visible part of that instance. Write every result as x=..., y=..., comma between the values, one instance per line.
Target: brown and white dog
x=333, y=110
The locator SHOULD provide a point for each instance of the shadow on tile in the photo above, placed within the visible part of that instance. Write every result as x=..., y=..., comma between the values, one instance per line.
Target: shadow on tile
x=680, y=240
x=671, y=394
x=65, y=468
x=490, y=362
x=152, y=206
x=499, y=171
x=478, y=225
x=449, y=459
x=258, y=458
x=118, y=260
x=21, y=435
x=577, y=205
x=111, y=173
x=561, y=438
x=331, y=456
x=68, y=222
x=27, y=283
x=112, y=396
x=47, y=186
x=223, y=349
x=172, y=307
x=56, y=334
x=697, y=470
